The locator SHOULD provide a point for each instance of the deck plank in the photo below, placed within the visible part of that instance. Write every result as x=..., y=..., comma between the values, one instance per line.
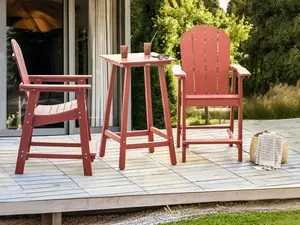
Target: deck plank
x=208, y=168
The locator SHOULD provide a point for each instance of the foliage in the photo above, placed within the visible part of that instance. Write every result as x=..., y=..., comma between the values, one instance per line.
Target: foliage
x=280, y=102
x=142, y=14
x=172, y=22
x=274, y=46
x=212, y=5
x=257, y=218
x=172, y=18
x=240, y=8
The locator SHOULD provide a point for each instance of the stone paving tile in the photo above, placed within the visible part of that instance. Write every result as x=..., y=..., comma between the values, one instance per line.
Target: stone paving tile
x=208, y=167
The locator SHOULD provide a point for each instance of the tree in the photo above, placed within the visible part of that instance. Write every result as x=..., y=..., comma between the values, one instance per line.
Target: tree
x=274, y=46
x=172, y=18
x=240, y=8
x=143, y=13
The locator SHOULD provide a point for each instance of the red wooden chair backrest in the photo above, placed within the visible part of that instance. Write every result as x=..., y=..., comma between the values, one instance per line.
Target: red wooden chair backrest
x=18, y=56
x=205, y=54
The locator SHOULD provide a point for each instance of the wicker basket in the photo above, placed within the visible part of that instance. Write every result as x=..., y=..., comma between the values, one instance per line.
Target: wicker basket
x=253, y=148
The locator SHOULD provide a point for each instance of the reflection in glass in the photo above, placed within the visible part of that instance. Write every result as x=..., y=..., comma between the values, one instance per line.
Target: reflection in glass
x=38, y=28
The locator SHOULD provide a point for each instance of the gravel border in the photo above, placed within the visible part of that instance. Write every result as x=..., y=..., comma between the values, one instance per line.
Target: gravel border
x=163, y=214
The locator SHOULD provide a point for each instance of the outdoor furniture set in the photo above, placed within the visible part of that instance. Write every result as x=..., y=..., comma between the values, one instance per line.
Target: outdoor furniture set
x=203, y=80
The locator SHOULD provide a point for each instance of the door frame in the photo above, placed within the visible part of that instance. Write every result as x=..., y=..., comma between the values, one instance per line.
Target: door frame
x=4, y=132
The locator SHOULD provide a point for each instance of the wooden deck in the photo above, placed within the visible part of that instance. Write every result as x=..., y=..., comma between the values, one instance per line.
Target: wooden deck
x=211, y=173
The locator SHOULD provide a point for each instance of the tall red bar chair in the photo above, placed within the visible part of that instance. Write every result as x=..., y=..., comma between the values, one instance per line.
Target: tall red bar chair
x=37, y=115
x=203, y=80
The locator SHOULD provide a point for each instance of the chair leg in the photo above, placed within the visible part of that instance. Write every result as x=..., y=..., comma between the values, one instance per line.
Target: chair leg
x=26, y=133
x=178, y=129
x=24, y=147
x=240, y=132
x=124, y=119
x=30, y=138
x=231, y=121
x=84, y=135
x=183, y=101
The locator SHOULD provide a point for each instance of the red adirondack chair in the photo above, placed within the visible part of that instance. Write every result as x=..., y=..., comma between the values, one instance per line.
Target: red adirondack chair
x=37, y=115
x=204, y=81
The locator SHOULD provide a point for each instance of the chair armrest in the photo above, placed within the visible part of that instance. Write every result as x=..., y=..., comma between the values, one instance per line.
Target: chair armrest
x=58, y=78
x=53, y=88
x=241, y=71
x=178, y=72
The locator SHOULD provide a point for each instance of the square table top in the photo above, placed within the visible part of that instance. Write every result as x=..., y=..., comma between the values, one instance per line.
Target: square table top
x=136, y=60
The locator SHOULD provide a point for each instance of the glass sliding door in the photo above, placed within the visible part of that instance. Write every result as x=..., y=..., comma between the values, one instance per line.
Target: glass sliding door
x=38, y=27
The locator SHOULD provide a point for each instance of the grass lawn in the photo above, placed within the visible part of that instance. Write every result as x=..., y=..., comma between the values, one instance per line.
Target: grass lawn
x=253, y=218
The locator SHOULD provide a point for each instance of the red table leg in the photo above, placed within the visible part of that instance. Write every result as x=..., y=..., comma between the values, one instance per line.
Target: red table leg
x=107, y=110
x=148, y=105
x=124, y=118
x=165, y=102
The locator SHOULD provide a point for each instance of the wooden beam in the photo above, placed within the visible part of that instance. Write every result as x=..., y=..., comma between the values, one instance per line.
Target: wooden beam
x=120, y=202
x=52, y=218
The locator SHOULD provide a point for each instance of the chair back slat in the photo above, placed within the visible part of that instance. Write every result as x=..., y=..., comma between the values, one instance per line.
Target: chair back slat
x=18, y=57
x=188, y=65
x=199, y=60
x=223, y=62
x=205, y=54
x=211, y=48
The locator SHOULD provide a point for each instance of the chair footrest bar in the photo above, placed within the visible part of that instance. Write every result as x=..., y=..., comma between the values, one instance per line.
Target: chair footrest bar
x=113, y=136
x=55, y=144
x=58, y=156
x=158, y=132
x=207, y=127
x=135, y=133
x=212, y=141
x=147, y=145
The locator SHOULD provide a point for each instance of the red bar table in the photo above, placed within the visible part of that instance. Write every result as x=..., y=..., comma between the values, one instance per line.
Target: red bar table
x=137, y=60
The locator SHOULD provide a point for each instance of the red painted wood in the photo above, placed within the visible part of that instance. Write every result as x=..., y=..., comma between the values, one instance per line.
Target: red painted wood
x=212, y=102
x=199, y=59
x=84, y=135
x=59, y=78
x=18, y=56
x=55, y=144
x=178, y=114
x=124, y=118
x=230, y=133
x=53, y=87
x=109, y=97
x=211, y=59
x=187, y=58
x=24, y=147
x=37, y=115
x=56, y=118
x=147, y=145
x=113, y=136
x=148, y=96
x=207, y=127
x=223, y=62
x=205, y=52
x=240, y=119
x=165, y=103
x=158, y=132
x=183, y=134
x=135, y=133
x=58, y=156
x=135, y=60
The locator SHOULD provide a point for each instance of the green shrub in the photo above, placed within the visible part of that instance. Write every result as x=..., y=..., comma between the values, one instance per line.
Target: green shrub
x=280, y=102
